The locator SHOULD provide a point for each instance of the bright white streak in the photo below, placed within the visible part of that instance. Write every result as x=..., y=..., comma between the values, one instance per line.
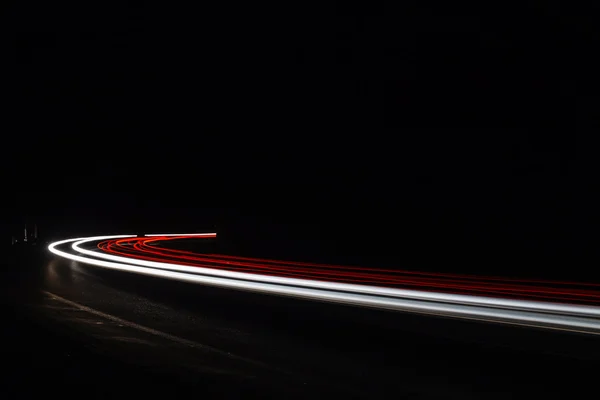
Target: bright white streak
x=563, y=322
x=524, y=305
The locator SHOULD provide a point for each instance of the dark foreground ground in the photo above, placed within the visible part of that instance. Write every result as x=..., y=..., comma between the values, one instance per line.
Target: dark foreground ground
x=71, y=330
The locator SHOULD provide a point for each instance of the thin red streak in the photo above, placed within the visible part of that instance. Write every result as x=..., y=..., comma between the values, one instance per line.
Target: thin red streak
x=139, y=248
x=323, y=266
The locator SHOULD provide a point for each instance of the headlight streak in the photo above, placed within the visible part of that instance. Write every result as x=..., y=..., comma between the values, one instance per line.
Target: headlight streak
x=580, y=318
x=560, y=292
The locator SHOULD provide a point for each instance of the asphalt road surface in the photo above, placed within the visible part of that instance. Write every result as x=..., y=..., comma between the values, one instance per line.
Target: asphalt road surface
x=74, y=330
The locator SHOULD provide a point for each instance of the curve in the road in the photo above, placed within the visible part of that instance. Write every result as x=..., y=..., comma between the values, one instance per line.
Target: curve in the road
x=515, y=302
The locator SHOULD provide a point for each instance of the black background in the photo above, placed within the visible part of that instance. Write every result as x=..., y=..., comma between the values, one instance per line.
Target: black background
x=423, y=136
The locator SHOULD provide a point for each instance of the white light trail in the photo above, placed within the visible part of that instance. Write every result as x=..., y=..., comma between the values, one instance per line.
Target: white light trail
x=520, y=312
x=525, y=305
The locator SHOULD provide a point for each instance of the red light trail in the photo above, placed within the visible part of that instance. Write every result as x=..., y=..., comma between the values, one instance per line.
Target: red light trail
x=154, y=249
x=569, y=306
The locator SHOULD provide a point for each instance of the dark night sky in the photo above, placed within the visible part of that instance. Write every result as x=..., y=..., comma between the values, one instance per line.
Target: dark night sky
x=468, y=130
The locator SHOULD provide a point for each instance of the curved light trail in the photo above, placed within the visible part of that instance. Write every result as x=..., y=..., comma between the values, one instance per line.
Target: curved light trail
x=549, y=304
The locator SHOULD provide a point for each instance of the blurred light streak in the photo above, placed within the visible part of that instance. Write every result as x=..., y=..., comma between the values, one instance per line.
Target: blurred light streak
x=509, y=288
x=580, y=318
